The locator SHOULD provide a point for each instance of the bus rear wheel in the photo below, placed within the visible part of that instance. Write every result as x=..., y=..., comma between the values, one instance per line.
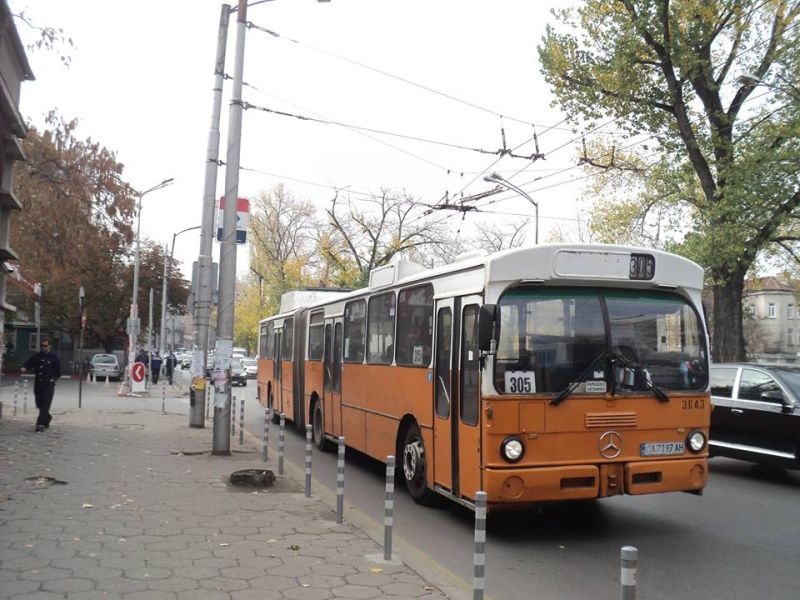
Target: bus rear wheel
x=415, y=466
x=318, y=428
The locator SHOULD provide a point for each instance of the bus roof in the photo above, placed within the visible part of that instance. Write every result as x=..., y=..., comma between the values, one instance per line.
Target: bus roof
x=570, y=264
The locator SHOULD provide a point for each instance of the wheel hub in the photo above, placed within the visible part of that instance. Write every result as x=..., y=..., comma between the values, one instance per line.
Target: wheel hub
x=412, y=458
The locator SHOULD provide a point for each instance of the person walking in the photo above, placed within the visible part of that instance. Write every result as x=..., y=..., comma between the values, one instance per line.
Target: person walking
x=155, y=367
x=47, y=369
x=170, y=363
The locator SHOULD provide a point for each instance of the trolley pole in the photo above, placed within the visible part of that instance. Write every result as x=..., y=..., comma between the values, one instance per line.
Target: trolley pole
x=227, y=249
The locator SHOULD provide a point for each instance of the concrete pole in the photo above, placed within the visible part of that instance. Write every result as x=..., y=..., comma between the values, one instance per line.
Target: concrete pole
x=150, y=324
x=227, y=252
x=133, y=326
x=202, y=311
x=164, y=302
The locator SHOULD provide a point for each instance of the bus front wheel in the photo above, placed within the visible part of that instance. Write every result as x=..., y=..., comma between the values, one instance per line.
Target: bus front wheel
x=415, y=467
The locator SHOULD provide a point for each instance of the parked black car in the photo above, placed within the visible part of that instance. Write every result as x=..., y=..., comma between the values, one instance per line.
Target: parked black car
x=756, y=413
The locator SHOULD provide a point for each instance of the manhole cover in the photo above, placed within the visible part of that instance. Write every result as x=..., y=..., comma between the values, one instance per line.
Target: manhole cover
x=41, y=480
x=256, y=478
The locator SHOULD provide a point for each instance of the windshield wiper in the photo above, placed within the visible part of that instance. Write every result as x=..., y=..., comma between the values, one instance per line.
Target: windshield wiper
x=562, y=395
x=638, y=374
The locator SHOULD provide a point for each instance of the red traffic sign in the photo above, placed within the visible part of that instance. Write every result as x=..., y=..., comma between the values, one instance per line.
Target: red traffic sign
x=137, y=372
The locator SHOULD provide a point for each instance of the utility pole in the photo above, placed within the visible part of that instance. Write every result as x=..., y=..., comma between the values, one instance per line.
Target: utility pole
x=203, y=282
x=82, y=304
x=163, y=303
x=221, y=375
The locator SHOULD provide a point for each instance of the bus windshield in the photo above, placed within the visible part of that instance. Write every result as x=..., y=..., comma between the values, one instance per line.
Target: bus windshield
x=609, y=339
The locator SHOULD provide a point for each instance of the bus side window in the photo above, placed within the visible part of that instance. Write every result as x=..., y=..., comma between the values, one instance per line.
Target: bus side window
x=380, y=327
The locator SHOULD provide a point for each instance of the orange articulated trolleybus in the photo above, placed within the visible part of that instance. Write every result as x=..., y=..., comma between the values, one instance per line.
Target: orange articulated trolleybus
x=539, y=374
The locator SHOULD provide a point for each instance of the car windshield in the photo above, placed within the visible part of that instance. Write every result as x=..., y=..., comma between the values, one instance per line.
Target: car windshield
x=105, y=359
x=551, y=336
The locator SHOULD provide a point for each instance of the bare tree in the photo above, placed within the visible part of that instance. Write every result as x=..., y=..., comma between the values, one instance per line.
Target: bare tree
x=366, y=234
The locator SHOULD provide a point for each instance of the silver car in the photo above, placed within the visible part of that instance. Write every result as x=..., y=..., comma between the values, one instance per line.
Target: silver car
x=105, y=366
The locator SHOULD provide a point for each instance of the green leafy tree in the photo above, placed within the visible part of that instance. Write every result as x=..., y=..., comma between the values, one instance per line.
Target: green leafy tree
x=714, y=84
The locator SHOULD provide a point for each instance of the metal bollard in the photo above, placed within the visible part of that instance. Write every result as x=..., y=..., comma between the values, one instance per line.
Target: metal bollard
x=627, y=575
x=16, y=393
x=164, y=398
x=340, y=482
x=265, y=448
x=281, y=428
x=207, y=396
x=233, y=417
x=25, y=397
x=308, y=460
x=241, y=422
x=479, y=556
x=388, y=509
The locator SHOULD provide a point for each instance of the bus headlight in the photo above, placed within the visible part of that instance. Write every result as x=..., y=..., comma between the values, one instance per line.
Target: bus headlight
x=512, y=449
x=696, y=440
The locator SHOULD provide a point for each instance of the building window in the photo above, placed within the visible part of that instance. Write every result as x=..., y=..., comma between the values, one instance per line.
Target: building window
x=789, y=337
x=771, y=310
x=790, y=311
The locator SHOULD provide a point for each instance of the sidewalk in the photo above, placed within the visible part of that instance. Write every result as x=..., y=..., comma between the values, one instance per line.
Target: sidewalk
x=125, y=502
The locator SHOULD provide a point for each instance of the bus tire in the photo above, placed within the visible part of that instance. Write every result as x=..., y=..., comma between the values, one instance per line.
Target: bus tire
x=276, y=417
x=415, y=466
x=318, y=427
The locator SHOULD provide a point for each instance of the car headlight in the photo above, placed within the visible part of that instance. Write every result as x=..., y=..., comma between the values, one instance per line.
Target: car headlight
x=512, y=449
x=696, y=440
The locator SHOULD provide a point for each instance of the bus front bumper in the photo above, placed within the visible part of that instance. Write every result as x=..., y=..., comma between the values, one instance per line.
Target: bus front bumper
x=580, y=482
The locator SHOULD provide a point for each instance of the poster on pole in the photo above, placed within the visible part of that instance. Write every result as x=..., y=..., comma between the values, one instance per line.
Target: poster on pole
x=242, y=219
x=223, y=351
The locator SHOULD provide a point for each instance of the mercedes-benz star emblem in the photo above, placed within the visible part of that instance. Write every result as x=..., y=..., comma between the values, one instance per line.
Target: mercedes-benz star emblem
x=610, y=444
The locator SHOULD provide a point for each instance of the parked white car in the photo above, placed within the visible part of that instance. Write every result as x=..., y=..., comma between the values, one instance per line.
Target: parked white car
x=105, y=365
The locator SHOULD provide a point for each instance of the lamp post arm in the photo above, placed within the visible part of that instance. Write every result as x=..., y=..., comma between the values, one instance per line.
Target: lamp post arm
x=496, y=178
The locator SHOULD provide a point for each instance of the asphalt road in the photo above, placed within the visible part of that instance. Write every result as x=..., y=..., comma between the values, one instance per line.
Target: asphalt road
x=741, y=539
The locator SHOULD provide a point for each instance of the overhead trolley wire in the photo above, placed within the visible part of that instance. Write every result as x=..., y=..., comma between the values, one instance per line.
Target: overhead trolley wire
x=409, y=82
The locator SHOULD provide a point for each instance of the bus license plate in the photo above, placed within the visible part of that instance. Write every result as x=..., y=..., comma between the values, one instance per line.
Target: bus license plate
x=661, y=448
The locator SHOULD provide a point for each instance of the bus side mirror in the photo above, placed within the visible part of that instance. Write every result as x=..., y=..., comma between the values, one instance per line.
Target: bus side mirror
x=486, y=328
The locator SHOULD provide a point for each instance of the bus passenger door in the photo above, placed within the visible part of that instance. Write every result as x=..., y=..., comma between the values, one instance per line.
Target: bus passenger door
x=469, y=405
x=443, y=401
x=456, y=428
x=332, y=377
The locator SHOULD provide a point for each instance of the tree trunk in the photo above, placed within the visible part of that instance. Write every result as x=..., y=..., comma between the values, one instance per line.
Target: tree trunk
x=727, y=339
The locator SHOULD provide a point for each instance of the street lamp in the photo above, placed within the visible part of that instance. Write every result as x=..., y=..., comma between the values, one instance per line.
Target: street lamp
x=496, y=178
x=133, y=325
x=167, y=268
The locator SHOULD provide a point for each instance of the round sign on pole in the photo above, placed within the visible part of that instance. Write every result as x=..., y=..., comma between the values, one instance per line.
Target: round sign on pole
x=137, y=373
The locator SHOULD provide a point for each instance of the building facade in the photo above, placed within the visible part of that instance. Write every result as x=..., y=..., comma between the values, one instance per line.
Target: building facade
x=14, y=69
x=772, y=320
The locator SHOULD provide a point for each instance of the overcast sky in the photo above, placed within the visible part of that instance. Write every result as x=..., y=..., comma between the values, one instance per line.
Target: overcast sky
x=141, y=78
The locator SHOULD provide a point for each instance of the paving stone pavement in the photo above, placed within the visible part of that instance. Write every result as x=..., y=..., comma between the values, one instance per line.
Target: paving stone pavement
x=126, y=502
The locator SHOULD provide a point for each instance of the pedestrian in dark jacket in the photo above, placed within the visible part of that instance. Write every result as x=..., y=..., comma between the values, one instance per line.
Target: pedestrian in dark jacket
x=47, y=369
x=155, y=367
x=170, y=363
